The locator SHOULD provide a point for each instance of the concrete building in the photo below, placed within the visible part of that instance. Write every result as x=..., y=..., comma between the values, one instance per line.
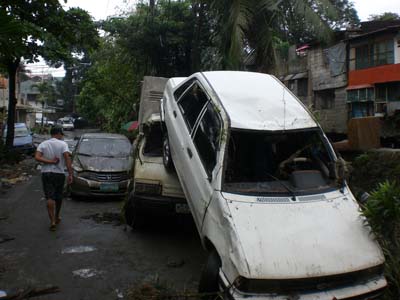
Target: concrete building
x=374, y=70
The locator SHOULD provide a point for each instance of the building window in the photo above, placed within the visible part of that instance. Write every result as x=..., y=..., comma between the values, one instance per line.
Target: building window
x=325, y=99
x=361, y=109
x=375, y=54
x=358, y=95
x=387, y=92
x=302, y=87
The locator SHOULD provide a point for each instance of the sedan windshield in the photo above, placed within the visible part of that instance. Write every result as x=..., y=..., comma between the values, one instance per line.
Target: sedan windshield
x=19, y=132
x=104, y=147
x=289, y=162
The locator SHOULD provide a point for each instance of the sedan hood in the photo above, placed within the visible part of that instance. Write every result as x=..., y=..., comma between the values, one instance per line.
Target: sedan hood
x=104, y=164
x=315, y=236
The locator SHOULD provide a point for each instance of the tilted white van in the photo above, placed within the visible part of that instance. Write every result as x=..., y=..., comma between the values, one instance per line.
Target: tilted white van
x=261, y=180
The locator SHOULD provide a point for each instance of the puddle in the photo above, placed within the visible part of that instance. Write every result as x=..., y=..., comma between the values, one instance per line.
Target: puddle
x=120, y=295
x=86, y=273
x=105, y=218
x=78, y=249
x=3, y=294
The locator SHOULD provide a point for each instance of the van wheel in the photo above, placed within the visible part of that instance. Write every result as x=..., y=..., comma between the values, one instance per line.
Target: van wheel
x=132, y=213
x=167, y=159
x=209, y=276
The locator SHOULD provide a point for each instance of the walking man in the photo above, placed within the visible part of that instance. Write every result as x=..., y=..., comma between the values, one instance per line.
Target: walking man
x=55, y=156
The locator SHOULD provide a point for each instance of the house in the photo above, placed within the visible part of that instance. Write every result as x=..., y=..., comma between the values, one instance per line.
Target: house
x=317, y=75
x=357, y=75
x=374, y=70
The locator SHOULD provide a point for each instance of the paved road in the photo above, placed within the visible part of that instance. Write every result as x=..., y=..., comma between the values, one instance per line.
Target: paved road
x=115, y=260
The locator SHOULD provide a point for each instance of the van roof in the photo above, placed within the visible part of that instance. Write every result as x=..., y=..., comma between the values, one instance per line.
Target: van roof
x=258, y=101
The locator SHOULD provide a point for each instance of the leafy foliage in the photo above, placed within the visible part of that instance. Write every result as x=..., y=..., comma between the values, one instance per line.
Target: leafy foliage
x=386, y=16
x=104, y=99
x=372, y=168
x=383, y=213
x=40, y=28
x=252, y=26
x=160, y=40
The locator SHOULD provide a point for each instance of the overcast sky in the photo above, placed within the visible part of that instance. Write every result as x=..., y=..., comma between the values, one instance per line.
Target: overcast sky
x=101, y=9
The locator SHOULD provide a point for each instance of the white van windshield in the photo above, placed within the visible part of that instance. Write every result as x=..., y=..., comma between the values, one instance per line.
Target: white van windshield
x=262, y=163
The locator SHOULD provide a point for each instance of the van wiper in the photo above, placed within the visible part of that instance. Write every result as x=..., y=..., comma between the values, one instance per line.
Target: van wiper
x=284, y=185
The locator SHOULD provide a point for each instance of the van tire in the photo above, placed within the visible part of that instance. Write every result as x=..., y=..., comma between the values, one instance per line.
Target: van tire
x=167, y=159
x=209, y=276
x=132, y=213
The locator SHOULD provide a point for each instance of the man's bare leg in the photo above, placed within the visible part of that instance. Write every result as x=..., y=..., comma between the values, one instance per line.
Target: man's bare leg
x=51, y=209
x=58, y=209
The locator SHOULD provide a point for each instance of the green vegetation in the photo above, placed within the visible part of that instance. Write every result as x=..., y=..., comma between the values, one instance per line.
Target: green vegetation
x=379, y=174
x=383, y=213
x=177, y=38
x=30, y=29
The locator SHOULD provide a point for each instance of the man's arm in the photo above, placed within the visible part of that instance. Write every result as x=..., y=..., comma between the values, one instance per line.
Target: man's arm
x=39, y=157
x=68, y=163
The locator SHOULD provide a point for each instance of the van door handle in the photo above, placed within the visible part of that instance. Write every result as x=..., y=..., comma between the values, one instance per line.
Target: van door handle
x=189, y=152
x=174, y=113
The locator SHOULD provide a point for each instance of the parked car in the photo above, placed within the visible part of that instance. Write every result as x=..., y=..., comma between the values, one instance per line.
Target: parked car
x=101, y=164
x=46, y=122
x=66, y=123
x=23, y=141
x=260, y=178
x=154, y=190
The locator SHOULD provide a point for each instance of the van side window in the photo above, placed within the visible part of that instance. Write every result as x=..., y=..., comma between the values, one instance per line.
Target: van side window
x=207, y=137
x=180, y=90
x=191, y=104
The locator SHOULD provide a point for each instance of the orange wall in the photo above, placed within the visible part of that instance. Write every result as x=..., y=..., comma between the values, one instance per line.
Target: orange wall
x=379, y=74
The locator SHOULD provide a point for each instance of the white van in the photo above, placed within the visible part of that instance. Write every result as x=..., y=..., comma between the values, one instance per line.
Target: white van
x=260, y=178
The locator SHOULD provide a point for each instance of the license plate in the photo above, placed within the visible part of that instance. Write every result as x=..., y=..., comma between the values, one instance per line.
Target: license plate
x=109, y=187
x=182, y=208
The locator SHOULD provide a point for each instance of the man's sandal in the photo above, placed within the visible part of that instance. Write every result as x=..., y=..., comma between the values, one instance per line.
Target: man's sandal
x=53, y=227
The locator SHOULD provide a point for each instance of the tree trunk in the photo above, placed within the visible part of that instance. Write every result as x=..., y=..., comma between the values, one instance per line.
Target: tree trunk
x=198, y=15
x=12, y=67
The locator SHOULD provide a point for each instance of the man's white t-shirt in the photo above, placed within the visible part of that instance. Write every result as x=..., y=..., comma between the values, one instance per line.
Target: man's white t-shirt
x=50, y=149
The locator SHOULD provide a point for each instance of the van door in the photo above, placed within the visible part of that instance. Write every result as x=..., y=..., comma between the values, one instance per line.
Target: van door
x=193, y=173
x=205, y=143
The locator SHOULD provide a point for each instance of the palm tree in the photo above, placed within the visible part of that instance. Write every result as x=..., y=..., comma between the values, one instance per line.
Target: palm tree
x=253, y=26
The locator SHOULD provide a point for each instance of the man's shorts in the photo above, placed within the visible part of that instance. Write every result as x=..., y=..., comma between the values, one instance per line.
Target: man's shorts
x=53, y=185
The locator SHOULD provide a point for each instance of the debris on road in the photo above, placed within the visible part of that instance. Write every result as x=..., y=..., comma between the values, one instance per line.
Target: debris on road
x=105, y=218
x=5, y=238
x=86, y=273
x=78, y=249
x=28, y=293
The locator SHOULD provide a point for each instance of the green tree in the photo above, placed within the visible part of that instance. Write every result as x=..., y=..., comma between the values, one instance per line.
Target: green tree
x=39, y=28
x=110, y=87
x=386, y=16
x=253, y=26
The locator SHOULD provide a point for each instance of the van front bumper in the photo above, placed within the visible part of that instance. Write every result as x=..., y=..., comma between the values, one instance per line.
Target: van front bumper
x=161, y=205
x=363, y=290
